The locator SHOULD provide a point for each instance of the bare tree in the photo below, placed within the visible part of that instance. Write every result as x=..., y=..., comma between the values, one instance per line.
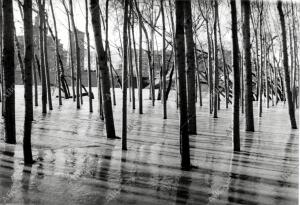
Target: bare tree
x=105, y=83
x=286, y=66
x=246, y=10
x=180, y=51
x=28, y=36
x=89, y=55
x=236, y=78
x=41, y=5
x=9, y=72
x=216, y=84
x=125, y=78
x=190, y=57
x=78, y=70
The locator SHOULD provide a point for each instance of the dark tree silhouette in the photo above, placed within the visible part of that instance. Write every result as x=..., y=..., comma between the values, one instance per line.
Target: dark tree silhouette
x=125, y=77
x=236, y=78
x=286, y=66
x=28, y=36
x=105, y=83
x=246, y=10
x=180, y=51
x=9, y=72
x=190, y=57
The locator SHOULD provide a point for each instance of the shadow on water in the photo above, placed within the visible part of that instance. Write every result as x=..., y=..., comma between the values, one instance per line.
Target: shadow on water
x=26, y=174
x=239, y=178
x=288, y=169
x=7, y=171
x=183, y=188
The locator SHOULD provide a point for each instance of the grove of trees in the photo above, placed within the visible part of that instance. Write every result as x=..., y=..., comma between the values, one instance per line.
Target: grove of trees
x=257, y=65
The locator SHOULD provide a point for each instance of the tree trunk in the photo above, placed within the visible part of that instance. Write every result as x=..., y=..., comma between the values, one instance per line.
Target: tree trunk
x=78, y=70
x=242, y=84
x=41, y=4
x=125, y=78
x=36, y=99
x=89, y=56
x=47, y=67
x=296, y=61
x=164, y=69
x=190, y=57
x=248, y=70
x=1, y=65
x=261, y=86
x=226, y=88
x=236, y=79
x=216, y=84
x=286, y=66
x=131, y=57
x=28, y=36
x=57, y=53
x=108, y=52
x=9, y=72
x=140, y=90
x=180, y=51
x=71, y=60
x=209, y=78
x=99, y=90
x=105, y=83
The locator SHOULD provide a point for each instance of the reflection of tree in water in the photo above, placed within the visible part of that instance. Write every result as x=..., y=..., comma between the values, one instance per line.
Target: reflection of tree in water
x=241, y=189
x=26, y=174
x=289, y=167
x=183, y=192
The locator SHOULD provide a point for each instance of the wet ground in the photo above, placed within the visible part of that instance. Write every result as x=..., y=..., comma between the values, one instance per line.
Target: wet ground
x=76, y=164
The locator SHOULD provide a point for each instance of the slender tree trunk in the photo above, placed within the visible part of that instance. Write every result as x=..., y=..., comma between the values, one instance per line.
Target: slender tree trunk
x=267, y=74
x=105, y=83
x=125, y=78
x=36, y=99
x=108, y=52
x=236, y=78
x=190, y=57
x=1, y=65
x=248, y=69
x=242, y=84
x=152, y=68
x=89, y=56
x=173, y=41
x=57, y=54
x=78, y=70
x=209, y=79
x=164, y=69
x=135, y=55
x=296, y=61
x=99, y=90
x=19, y=56
x=140, y=90
x=47, y=67
x=41, y=4
x=9, y=72
x=28, y=34
x=224, y=67
x=286, y=66
x=71, y=60
x=216, y=84
x=180, y=51
x=261, y=86
x=131, y=56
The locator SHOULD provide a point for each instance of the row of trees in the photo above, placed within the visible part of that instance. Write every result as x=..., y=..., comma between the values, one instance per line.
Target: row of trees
x=182, y=37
